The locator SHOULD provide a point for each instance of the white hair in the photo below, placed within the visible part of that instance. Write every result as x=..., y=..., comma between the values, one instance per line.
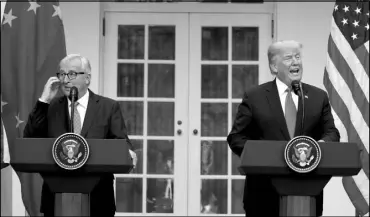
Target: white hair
x=85, y=63
x=275, y=47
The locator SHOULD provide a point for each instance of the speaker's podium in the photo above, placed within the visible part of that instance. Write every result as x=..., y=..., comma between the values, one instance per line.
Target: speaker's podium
x=291, y=167
x=71, y=186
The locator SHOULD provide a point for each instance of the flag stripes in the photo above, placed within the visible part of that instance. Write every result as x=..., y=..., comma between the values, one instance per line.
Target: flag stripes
x=346, y=51
x=357, y=94
x=346, y=79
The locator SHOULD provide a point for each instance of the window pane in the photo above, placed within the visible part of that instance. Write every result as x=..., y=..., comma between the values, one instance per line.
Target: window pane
x=160, y=195
x=130, y=42
x=161, y=80
x=129, y=194
x=161, y=118
x=213, y=158
x=245, y=43
x=214, y=81
x=213, y=194
x=244, y=77
x=133, y=112
x=235, y=161
x=214, y=43
x=130, y=80
x=161, y=42
x=237, y=193
x=234, y=108
x=214, y=119
x=160, y=157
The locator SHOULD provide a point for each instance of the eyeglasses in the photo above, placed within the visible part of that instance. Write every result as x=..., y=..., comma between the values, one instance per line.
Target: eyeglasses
x=71, y=75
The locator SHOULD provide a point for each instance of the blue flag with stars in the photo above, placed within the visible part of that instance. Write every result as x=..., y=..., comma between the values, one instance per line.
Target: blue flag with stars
x=32, y=44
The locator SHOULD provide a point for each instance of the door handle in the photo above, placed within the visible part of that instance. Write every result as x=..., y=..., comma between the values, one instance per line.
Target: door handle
x=195, y=131
x=179, y=132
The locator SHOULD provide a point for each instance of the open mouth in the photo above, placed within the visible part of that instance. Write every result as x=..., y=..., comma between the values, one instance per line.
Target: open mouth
x=294, y=71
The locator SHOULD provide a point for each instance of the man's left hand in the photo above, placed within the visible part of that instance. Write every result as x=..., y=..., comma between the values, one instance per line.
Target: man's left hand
x=134, y=158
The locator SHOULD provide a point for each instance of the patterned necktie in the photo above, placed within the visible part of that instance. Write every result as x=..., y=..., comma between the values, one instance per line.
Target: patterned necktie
x=290, y=113
x=76, y=120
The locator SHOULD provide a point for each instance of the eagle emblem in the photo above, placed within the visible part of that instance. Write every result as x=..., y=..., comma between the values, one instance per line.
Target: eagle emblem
x=70, y=151
x=302, y=154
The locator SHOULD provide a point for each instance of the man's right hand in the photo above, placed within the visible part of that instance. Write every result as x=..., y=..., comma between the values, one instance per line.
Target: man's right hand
x=50, y=89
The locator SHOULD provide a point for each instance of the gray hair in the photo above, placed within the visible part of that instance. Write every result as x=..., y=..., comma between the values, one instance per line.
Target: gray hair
x=275, y=47
x=85, y=63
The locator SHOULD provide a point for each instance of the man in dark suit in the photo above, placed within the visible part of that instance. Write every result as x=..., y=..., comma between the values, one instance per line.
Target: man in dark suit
x=98, y=117
x=272, y=112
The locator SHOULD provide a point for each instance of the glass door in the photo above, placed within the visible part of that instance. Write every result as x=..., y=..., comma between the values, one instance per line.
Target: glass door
x=146, y=70
x=179, y=78
x=228, y=56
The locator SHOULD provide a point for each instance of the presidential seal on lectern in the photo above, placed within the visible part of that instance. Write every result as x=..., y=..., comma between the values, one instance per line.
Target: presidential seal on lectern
x=70, y=151
x=302, y=154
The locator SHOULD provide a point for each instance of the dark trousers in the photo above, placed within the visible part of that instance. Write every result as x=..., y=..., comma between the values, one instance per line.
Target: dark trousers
x=102, y=201
x=261, y=198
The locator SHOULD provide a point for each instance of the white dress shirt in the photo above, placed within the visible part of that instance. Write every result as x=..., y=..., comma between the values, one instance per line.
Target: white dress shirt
x=81, y=107
x=282, y=94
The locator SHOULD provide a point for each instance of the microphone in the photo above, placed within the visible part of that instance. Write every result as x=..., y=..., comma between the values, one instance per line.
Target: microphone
x=73, y=96
x=297, y=88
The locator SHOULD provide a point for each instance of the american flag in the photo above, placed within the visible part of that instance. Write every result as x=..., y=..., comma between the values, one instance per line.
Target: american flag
x=346, y=78
x=32, y=44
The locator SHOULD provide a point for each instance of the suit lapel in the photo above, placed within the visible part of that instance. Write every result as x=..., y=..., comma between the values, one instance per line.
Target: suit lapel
x=275, y=107
x=92, y=108
x=62, y=116
x=298, y=130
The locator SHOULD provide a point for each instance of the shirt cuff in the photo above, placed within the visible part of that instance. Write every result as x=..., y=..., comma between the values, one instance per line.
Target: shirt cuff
x=43, y=101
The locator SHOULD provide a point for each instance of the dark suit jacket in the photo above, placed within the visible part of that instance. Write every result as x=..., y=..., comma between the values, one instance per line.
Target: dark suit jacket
x=103, y=120
x=260, y=117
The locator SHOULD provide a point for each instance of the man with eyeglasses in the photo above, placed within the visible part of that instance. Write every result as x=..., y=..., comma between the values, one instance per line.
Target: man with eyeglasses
x=100, y=118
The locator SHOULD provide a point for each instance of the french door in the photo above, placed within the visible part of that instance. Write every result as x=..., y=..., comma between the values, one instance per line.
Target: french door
x=179, y=78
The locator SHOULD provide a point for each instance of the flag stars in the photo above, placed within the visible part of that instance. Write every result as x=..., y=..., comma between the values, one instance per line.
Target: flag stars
x=19, y=121
x=358, y=10
x=355, y=23
x=33, y=6
x=346, y=8
x=367, y=26
x=57, y=12
x=354, y=36
x=344, y=21
x=8, y=18
x=336, y=7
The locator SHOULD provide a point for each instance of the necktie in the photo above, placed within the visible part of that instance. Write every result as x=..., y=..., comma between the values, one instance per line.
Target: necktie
x=76, y=120
x=290, y=113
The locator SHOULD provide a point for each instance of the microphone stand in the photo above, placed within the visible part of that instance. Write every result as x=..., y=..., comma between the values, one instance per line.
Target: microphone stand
x=73, y=96
x=297, y=87
x=72, y=115
x=302, y=97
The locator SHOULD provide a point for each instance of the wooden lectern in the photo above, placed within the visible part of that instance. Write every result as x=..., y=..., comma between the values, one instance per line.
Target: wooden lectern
x=297, y=190
x=72, y=188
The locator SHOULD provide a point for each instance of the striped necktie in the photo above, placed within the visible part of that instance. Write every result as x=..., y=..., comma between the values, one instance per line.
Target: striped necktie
x=290, y=113
x=76, y=120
